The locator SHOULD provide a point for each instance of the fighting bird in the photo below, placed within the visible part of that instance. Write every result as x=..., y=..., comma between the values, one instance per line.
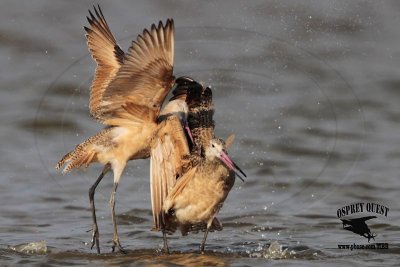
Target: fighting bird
x=188, y=189
x=126, y=96
x=358, y=226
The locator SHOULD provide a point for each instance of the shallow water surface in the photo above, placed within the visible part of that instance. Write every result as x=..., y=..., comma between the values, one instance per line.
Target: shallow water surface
x=310, y=89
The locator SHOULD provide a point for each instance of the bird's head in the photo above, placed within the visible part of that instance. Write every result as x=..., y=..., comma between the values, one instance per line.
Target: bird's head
x=216, y=149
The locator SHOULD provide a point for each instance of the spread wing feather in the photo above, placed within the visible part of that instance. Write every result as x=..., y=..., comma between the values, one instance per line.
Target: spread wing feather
x=107, y=54
x=167, y=159
x=146, y=77
x=142, y=76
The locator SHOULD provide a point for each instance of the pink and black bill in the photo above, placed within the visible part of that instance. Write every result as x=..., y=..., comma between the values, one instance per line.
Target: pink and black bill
x=232, y=165
x=188, y=131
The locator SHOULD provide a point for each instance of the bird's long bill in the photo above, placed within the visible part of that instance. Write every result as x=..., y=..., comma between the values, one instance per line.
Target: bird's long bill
x=186, y=126
x=232, y=165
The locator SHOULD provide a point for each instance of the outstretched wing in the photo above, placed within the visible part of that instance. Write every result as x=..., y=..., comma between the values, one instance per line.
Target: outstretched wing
x=168, y=156
x=145, y=77
x=107, y=54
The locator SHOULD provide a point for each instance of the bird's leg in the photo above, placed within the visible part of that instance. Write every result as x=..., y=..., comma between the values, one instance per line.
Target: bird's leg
x=166, y=249
x=204, y=240
x=95, y=229
x=116, y=242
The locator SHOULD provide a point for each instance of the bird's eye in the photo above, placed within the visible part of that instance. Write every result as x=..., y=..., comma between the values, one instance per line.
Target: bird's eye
x=212, y=145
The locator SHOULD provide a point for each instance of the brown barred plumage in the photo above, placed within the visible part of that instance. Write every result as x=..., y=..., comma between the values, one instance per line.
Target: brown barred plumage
x=85, y=153
x=201, y=111
x=126, y=95
x=206, y=178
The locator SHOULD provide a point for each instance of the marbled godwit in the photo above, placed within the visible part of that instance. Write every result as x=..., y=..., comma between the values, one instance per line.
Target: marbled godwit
x=126, y=95
x=188, y=190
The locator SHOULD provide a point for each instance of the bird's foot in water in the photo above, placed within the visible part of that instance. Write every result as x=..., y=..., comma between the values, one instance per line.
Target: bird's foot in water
x=117, y=244
x=95, y=238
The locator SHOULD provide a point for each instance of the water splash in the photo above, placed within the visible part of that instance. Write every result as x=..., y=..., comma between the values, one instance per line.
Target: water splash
x=31, y=248
x=274, y=251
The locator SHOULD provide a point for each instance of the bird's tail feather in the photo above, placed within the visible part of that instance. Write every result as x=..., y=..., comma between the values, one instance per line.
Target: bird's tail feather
x=86, y=152
x=75, y=159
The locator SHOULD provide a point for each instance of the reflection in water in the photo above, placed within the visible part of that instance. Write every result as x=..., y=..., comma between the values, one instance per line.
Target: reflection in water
x=275, y=250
